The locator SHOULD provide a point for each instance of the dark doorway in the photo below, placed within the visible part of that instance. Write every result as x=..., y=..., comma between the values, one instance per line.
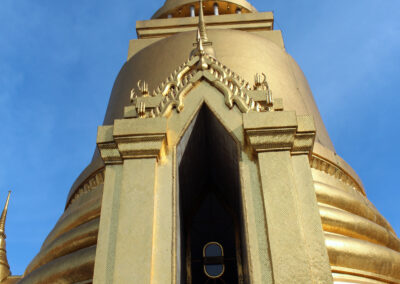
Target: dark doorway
x=210, y=202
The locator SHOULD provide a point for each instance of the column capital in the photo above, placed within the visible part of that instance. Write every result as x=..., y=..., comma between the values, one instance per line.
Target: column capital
x=279, y=131
x=305, y=135
x=132, y=139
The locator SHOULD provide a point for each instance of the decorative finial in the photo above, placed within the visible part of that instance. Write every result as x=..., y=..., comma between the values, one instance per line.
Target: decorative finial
x=202, y=64
x=143, y=87
x=141, y=109
x=261, y=84
x=203, y=45
x=4, y=216
x=133, y=96
x=4, y=266
x=202, y=24
x=200, y=43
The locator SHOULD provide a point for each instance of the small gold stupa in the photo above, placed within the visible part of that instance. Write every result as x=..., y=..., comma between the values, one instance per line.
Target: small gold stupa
x=213, y=165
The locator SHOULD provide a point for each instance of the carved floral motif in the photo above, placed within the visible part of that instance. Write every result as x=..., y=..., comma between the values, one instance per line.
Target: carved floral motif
x=178, y=84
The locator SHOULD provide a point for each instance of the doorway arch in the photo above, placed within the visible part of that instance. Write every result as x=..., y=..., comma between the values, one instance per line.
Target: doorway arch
x=210, y=201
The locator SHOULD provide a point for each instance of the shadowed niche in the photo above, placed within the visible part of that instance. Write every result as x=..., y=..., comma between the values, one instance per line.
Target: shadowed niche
x=209, y=202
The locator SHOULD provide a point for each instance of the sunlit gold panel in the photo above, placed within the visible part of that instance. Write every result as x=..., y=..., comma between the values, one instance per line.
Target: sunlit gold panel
x=72, y=268
x=76, y=229
x=344, y=278
x=362, y=257
x=341, y=222
x=354, y=203
x=83, y=210
x=78, y=238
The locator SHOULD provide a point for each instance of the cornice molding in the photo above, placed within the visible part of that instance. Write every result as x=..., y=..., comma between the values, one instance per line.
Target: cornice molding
x=132, y=139
x=280, y=131
x=87, y=186
x=321, y=164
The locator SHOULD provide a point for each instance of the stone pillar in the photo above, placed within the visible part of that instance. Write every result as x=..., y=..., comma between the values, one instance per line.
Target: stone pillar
x=296, y=241
x=130, y=150
x=307, y=202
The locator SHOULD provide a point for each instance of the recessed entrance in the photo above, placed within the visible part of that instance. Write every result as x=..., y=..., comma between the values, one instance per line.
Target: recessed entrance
x=209, y=204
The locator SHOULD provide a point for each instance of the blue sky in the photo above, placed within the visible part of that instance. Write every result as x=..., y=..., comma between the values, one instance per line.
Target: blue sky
x=58, y=61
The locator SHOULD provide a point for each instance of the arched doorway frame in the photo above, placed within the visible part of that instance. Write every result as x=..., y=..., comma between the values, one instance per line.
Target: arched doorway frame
x=252, y=209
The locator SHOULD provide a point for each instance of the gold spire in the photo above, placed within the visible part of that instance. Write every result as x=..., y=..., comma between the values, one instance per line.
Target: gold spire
x=4, y=216
x=202, y=24
x=199, y=42
x=202, y=42
x=4, y=266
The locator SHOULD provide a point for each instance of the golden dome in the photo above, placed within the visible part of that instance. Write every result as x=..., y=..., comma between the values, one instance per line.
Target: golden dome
x=181, y=8
x=258, y=55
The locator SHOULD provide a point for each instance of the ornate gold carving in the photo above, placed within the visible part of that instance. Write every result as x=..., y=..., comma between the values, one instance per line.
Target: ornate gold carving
x=202, y=67
x=323, y=165
x=261, y=84
x=141, y=109
x=88, y=185
x=133, y=96
x=143, y=88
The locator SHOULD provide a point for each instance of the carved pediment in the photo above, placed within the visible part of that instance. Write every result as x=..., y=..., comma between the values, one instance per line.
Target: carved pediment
x=170, y=94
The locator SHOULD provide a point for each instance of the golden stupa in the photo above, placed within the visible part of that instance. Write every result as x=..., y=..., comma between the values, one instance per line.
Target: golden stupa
x=213, y=165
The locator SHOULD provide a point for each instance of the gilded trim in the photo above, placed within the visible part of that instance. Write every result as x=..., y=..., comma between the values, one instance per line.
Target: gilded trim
x=323, y=165
x=88, y=185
